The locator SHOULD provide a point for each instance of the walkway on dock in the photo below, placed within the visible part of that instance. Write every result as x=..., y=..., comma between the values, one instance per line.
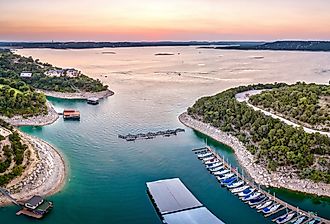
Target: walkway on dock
x=285, y=205
x=8, y=195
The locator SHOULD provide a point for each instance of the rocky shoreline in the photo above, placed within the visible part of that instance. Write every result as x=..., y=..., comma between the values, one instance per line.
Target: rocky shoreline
x=78, y=96
x=40, y=120
x=45, y=176
x=260, y=174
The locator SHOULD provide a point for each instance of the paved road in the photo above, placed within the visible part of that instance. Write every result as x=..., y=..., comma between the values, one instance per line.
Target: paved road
x=244, y=97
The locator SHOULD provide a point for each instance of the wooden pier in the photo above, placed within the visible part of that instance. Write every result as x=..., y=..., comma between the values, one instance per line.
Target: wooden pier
x=310, y=216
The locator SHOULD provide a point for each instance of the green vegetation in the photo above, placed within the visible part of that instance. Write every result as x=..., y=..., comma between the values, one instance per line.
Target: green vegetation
x=11, y=66
x=17, y=98
x=13, y=153
x=307, y=104
x=273, y=143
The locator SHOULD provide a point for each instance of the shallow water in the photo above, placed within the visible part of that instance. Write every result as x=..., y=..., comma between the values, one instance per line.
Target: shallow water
x=107, y=175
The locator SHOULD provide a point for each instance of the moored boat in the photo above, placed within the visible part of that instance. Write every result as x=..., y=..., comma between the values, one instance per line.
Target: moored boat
x=257, y=200
x=203, y=155
x=235, y=184
x=271, y=208
x=212, y=162
x=208, y=158
x=239, y=189
x=221, y=173
x=251, y=196
x=264, y=205
x=285, y=218
x=226, y=176
x=228, y=181
x=246, y=192
x=299, y=220
x=216, y=169
x=214, y=165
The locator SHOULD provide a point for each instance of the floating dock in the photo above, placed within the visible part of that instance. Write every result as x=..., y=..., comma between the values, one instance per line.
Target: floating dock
x=70, y=114
x=175, y=204
x=151, y=135
x=284, y=205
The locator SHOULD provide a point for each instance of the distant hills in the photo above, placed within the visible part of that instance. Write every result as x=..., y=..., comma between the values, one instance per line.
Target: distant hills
x=284, y=46
x=234, y=45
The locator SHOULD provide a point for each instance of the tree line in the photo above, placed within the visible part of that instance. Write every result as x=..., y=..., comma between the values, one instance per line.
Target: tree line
x=273, y=143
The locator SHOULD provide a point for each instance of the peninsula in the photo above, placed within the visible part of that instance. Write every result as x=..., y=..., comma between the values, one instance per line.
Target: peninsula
x=30, y=166
x=273, y=152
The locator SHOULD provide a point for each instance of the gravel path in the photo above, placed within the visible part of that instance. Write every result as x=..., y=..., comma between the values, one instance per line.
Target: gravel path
x=245, y=96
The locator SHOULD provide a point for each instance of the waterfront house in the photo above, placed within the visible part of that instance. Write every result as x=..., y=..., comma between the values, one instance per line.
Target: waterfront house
x=4, y=132
x=34, y=202
x=26, y=75
x=70, y=72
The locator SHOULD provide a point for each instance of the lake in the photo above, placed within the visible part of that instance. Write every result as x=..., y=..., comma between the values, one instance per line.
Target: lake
x=107, y=175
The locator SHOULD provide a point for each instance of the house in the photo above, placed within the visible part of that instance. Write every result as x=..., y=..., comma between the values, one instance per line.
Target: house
x=34, y=202
x=5, y=132
x=26, y=75
x=70, y=72
x=55, y=73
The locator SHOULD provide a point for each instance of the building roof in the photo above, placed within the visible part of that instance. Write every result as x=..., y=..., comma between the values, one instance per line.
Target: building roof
x=192, y=216
x=171, y=196
x=26, y=74
x=34, y=201
x=4, y=132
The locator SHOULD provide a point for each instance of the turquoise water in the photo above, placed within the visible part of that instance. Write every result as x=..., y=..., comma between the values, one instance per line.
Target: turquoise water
x=107, y=176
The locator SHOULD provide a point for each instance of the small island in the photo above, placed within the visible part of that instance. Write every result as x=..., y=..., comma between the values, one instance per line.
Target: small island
x=273, y=152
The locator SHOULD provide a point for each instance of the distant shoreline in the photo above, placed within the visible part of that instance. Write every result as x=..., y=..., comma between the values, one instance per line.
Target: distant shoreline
x=259, y=174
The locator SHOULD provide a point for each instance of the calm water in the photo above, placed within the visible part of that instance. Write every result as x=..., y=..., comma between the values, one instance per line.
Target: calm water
x=107, y=175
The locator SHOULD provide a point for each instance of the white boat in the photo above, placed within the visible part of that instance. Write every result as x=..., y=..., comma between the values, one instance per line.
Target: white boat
x=251, y=196
x=208, y=158
x=285, y=218
x=213, y=165
x=299, y=220
x=246, y=192
x=239, y=189
x=235, y=184
x=211, y=161
x=222, y=172
x=203, y=155
x=225, y=176
x=264, y=205
x=216, y=169
x=271, y=208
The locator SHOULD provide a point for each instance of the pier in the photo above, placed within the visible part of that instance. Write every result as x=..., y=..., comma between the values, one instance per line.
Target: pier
x=151, y=135
x=284, y=205
x=8, y=195
x=175, y=204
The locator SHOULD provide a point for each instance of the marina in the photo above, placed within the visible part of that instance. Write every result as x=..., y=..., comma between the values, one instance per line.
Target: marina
x=151, y=135
x=175, y=204
x=254, y=195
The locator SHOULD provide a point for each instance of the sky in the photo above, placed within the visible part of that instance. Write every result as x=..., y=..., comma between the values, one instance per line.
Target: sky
x=156, y=20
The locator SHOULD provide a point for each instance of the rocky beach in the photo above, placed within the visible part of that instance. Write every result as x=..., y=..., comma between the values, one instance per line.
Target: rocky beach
x=44, y=175
x=279, y=179
x=39, y=120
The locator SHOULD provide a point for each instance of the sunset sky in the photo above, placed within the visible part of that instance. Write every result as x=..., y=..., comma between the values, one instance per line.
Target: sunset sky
x=152, y=20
